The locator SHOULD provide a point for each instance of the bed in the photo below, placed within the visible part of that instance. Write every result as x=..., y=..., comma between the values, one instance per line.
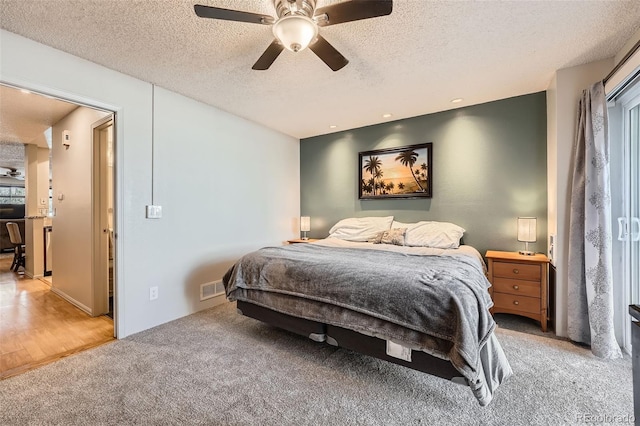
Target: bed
x=422, y=307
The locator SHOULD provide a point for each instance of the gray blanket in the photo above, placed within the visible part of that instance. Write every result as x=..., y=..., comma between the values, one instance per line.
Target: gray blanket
x=438, y=304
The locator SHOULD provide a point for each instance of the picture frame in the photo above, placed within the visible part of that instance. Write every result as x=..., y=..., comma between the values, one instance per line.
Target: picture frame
x=403, y=172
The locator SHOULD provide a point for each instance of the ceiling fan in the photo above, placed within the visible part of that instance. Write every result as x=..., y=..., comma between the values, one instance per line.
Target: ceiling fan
x=12, y=173
x=296, y=26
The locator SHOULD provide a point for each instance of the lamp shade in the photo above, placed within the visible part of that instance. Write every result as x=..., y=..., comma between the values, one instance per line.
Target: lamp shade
x=295, y=32
x=305, y=223
x=527, y=229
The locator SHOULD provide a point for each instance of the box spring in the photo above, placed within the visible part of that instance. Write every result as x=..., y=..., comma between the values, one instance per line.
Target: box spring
x=349, y=339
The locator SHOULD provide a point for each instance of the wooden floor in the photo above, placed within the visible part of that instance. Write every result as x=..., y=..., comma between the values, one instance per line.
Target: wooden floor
x=38, y=327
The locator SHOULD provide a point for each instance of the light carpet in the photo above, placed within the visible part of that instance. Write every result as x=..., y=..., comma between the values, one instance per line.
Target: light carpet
x=219, y=368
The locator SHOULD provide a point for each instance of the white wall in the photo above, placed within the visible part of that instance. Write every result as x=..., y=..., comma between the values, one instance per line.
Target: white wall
x=71, y=239
x=32, y=170
x=43, y=182
x=226, y=185
x=37, y=187
x=562, y=105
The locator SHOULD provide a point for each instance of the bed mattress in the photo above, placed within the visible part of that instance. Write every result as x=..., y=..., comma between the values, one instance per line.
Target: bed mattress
x=430, y=300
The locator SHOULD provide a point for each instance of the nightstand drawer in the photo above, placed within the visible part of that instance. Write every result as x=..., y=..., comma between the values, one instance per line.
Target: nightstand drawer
x=516, y=303
x=519, y=284
x=518, y=271
x=516, y=287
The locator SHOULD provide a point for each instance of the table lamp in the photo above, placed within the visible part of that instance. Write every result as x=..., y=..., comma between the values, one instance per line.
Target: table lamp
x=526, y=233
x=305, y=226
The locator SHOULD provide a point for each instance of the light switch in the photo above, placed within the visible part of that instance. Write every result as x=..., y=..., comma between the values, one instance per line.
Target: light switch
x=154, y=212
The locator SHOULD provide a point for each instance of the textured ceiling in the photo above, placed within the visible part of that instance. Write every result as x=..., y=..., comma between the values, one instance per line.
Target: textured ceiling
x=11, y=157
x=412, y=62
x=24, y=117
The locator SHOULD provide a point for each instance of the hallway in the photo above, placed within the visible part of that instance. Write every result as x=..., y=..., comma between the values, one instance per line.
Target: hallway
x=38, y=327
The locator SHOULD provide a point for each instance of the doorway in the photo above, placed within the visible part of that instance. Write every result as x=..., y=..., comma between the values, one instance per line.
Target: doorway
x=64, y=207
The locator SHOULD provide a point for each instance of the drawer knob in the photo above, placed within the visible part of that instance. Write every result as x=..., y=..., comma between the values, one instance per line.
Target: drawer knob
x=515, y=271
x=515, y=302
x=516, y=287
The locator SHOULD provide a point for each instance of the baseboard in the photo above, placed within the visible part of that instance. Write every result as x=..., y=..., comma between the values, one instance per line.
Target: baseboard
x=43, y=280
x=71, y=300
x=33, y=276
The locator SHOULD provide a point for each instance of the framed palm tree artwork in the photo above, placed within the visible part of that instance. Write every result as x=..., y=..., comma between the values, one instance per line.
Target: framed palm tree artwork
x=405, y=172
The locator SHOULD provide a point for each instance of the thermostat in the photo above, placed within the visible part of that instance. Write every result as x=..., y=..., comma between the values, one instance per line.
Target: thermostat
x=66, y=138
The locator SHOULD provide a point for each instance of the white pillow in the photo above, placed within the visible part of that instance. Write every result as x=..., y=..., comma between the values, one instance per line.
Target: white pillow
x=360, y=228
x=395, y=224
x=431, y=234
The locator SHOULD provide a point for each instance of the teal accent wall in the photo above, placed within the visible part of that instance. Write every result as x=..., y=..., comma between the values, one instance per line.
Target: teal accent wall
x=489, y=167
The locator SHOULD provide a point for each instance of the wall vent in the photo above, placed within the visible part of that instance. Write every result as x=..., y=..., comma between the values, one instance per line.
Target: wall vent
x=212, y=289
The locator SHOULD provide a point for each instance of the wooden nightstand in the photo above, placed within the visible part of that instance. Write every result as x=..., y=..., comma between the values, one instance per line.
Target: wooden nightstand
x=300, y=240
x=519, y=284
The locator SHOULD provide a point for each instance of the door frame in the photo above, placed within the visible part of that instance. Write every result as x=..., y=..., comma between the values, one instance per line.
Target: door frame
x=628, y=101
x=119, y=321
x=100, y=255
x=631, y=293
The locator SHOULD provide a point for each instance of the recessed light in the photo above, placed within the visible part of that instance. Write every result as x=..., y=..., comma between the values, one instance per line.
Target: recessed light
x=387, y=115
x=25, y=91
x=456, y=100
x=333, y=126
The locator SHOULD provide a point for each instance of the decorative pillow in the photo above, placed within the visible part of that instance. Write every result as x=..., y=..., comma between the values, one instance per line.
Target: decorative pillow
x=394, y=236
x=360, y=228
x=432, y=234
x=377, y=239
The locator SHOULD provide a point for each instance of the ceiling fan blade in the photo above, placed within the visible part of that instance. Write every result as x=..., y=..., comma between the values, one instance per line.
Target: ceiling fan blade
x=232, y=15
x=353, y=10
x=269, y=55
x=328, y=54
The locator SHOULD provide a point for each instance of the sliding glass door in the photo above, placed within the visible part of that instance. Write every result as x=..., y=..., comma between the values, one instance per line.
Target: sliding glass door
x=625, y=188
x=632, y=248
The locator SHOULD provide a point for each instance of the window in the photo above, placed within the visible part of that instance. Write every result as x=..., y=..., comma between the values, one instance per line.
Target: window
x=12, y=195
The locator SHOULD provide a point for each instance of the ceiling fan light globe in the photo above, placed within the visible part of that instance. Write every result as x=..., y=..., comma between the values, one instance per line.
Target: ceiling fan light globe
x=295, y=32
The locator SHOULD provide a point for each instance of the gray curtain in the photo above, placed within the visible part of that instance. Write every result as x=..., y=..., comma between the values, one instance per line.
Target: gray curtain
x=590, y=298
